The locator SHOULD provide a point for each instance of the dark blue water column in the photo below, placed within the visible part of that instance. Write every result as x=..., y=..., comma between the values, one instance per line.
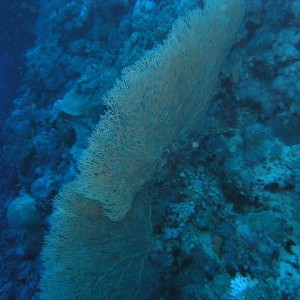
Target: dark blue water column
x=17, y=19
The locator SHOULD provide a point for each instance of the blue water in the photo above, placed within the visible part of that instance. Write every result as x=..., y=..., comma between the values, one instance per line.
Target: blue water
x=17, y=35
x=219, y=217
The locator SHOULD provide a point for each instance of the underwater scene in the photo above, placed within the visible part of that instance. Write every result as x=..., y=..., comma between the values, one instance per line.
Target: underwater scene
x=150, y=150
